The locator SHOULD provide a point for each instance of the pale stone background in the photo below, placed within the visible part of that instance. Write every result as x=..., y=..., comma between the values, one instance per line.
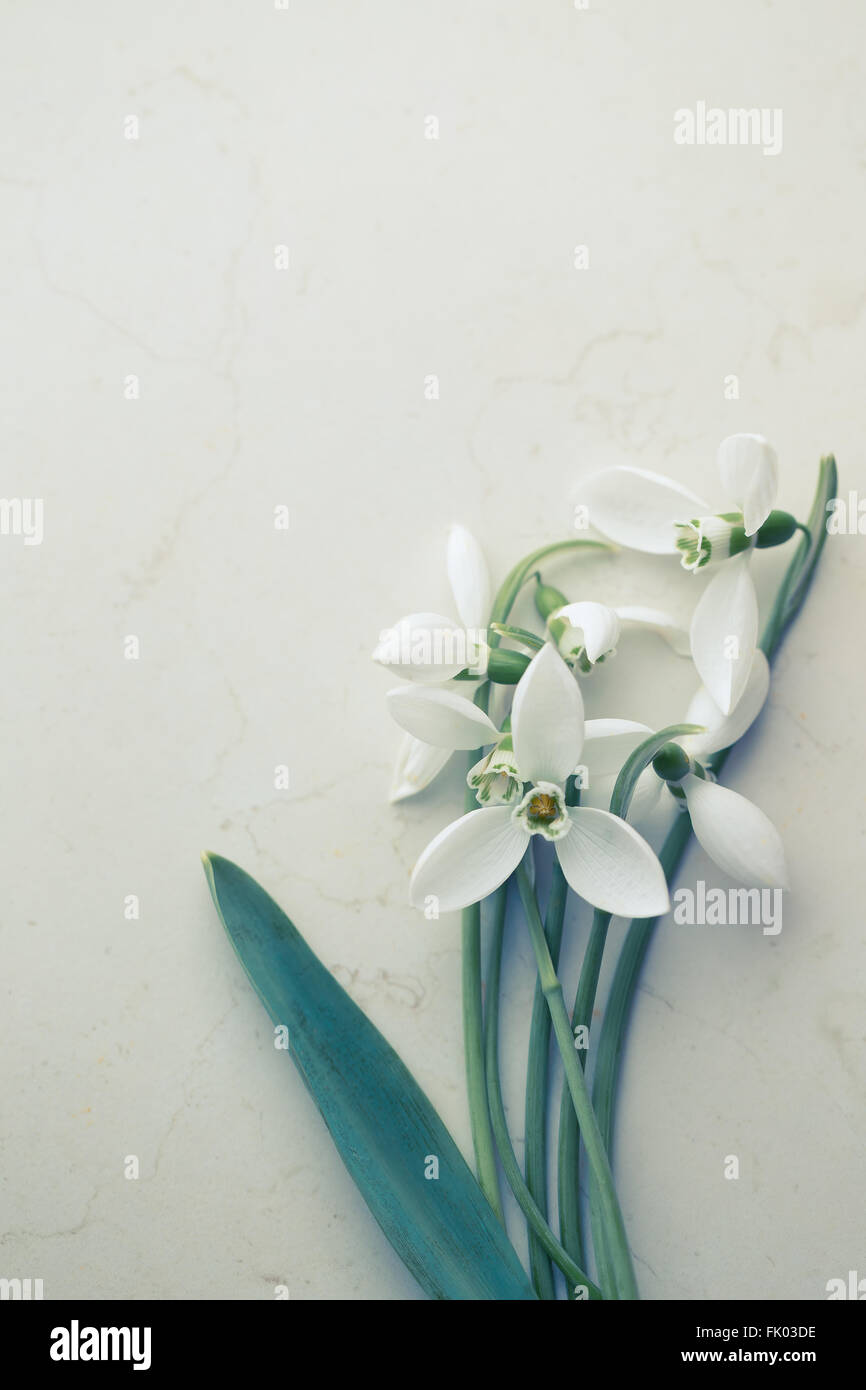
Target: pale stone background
x=155, y=257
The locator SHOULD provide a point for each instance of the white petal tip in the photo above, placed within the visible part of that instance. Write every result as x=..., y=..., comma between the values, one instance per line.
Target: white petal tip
x=401, y=793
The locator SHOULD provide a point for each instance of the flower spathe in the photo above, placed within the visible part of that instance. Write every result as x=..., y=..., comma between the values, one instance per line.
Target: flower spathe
x=647, y=512
x=603, y=858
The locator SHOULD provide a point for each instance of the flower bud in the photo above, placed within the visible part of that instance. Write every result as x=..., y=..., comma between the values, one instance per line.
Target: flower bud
x=778, y=528
x=585, y=633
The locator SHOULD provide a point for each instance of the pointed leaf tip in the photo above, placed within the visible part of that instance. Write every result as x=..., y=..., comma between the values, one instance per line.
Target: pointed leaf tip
x=381, y=1121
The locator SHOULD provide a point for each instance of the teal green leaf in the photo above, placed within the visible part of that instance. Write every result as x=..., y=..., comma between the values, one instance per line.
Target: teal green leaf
x=382, y=1123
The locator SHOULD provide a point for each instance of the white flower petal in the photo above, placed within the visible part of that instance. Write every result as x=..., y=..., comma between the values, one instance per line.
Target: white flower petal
x=468, y=859
x=750, y=476
x=736, y=834
x=440, y=717
x=657, y=621
x=608, y=742
x=416, y=766
x=469, y=578
x=547, y=719
x=598, y=792
x=597, y=623
x=611, y=866
x=637, y=508
x=652, y=808
x=424, y=647
x=725, y=632
x=723, y=730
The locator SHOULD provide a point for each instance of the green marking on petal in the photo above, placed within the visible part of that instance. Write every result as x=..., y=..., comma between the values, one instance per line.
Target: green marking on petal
x=706, y=539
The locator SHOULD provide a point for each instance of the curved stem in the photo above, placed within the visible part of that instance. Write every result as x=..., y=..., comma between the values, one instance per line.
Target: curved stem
x=473, y=1026
x=473, y=1018
x=523, y=570
x=535, y=1160
x=530, y=1208
x=618, y=1007
x=622, y=1284
x=476, y=1090
x=789, y=600
x=569, y=1132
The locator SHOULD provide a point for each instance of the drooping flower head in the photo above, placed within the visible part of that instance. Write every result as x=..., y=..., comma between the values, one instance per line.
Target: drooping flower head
x=431, y=648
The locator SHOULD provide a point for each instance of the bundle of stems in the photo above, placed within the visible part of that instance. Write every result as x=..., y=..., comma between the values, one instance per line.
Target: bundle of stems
x=585, y=1122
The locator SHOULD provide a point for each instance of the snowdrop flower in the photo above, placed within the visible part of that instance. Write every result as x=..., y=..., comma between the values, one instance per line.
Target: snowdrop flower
x=431, y=648
x=647, y=512
x=418, y=646
x=447, y=722
x=735, y=833
x=723, y=730
x=603, y=858
x=587, y=633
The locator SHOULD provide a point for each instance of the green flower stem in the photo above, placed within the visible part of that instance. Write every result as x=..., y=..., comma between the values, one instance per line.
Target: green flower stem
x=482, y=1134
x=539, y=1229
x=622, y=1284
x=569, y=1133
x=806, y=560
x=569, y=1136
x=535, y=1160
x=523, y=571
x=473, y=1026
x=789, y=600
x=618, y=1007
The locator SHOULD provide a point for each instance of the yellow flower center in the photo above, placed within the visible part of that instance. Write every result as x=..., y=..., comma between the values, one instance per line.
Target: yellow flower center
x=543, y=807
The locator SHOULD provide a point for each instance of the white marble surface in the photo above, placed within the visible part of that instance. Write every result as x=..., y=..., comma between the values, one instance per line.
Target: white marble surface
x=154, y=257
